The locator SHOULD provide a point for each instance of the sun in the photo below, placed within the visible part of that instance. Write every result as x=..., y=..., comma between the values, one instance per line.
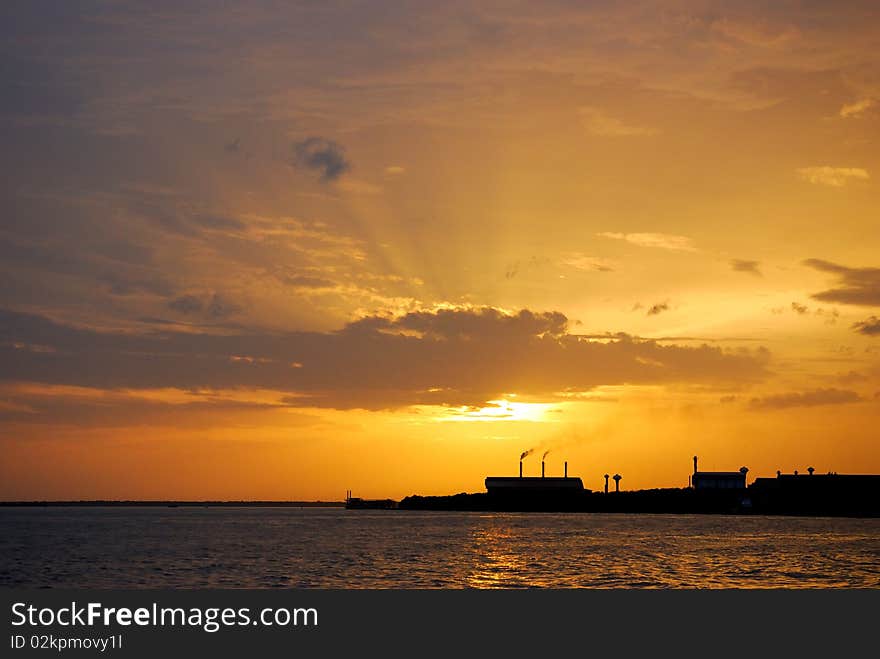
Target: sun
x=501, y=409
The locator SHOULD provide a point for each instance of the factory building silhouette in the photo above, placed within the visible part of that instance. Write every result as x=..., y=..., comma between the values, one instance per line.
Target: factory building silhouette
x=526, y=485
x=715, y=492
x=725, y=480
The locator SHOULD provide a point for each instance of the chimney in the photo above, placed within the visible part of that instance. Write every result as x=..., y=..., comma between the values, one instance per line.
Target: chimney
x=542, y=469
x=566, y=468
x=695, y=464
x=520, y=468
x=606, y=483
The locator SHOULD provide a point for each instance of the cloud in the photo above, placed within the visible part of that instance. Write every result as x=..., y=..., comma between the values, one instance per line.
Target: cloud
x=175, y=218
x=321, y=155
x=799, y=308
x=661, y=240
x=586, y=263
x=830, y=315
x=395, y=170
x=118, y=267
x=856, y=109
x=307, y=281
x=860, y=286
x=852, y=377
x=219, y=307
x=868, y=327
x=836, y=177
x=219, y=222
x=464, y=356
x=658, y=308
x=97, y=408
x=599, y=123
x=186, y=304
x=355, y=186
x=743, y=265
x=534, y=262
x=805, y=399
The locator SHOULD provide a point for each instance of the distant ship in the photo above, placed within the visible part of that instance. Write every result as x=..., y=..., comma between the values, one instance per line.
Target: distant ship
x=357, y=503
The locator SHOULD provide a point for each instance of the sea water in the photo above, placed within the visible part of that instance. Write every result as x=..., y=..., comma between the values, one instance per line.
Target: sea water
x=199, y=547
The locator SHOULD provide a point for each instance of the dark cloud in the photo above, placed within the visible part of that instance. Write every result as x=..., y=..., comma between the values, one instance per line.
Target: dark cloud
x=306, y=281
x=852, y=377
x=186, y=304
x=122, y=268
x=321, y=155
x=799, y=308
x=166, y=219
x=219, y=307
x=220, y=222
x=658, y=308
x=203, y=411
x=122, y=284
x=805, y=399
x=234, y=146
x=856, y=285
x=744, y=265
x=451, y=356
x=868, y=327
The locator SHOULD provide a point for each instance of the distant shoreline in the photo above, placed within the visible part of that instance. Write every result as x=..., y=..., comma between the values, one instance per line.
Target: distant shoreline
x=172, y=504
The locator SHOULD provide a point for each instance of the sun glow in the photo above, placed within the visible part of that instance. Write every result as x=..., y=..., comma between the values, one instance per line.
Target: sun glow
x=500, y=410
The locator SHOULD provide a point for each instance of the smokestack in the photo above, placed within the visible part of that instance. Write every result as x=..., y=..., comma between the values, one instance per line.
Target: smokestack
x=695, y=464
x=606, y=483
x=566, y=468
x=542, y=469
x=520, y=468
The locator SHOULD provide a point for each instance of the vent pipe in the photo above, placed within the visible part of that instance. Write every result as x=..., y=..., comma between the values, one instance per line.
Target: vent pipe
x=566, y=468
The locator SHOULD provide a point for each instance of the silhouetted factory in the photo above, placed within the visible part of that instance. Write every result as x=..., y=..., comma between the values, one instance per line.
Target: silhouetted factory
x=533, y=485
x=713, y=492
x=718, y=480
x=817, y=494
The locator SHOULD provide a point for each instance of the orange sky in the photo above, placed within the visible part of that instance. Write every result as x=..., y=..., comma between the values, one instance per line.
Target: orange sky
x=282, y=252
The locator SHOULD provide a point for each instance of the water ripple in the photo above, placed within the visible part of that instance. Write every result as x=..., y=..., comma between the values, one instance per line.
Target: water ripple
x=333, y=548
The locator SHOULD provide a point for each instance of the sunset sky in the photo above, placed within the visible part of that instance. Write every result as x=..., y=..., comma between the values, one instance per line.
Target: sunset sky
x=278, y=251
